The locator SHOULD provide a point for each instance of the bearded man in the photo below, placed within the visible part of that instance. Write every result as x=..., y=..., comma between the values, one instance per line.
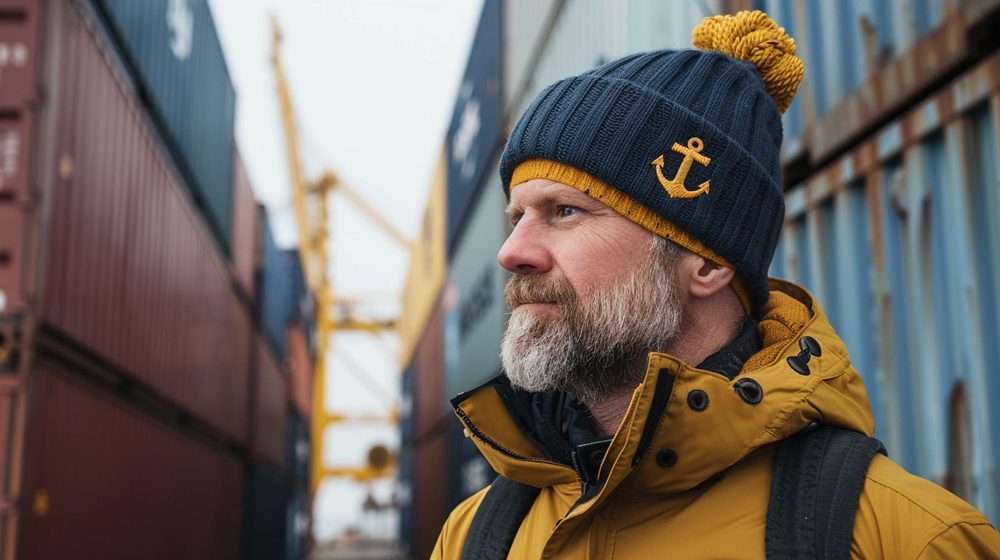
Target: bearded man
x=661, y=398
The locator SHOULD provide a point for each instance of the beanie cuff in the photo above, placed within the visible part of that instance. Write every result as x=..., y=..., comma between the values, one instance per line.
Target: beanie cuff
x=626, y=206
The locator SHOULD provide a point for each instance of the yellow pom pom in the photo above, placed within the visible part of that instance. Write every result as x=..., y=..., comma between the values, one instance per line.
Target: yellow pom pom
x=754, y=37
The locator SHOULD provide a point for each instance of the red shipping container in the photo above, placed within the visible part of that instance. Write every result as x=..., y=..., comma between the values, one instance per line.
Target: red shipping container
x=300, y=369
x=430, y=494
x=271, y=406
x=105, y=481
x=429, y=406
x=244, y=235
x=132, y=272
x=18, y=40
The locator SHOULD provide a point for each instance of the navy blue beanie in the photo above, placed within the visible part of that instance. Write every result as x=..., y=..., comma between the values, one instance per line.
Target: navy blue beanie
x=685, y=143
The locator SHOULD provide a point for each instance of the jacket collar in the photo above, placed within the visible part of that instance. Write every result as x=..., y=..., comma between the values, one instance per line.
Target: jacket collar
x=664, y=443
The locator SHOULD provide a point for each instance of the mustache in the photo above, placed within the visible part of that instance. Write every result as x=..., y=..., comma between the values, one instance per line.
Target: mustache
x=532, y=289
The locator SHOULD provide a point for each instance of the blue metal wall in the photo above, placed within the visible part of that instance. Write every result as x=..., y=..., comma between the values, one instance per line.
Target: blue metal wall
x=476, y=126
x=897, y=232
x=175, y=58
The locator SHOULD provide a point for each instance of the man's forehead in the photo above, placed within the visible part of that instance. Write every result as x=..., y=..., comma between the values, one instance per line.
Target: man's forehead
x=546, y=191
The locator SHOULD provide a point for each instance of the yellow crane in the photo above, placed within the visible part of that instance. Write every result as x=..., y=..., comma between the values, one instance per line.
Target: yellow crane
x=311, y=199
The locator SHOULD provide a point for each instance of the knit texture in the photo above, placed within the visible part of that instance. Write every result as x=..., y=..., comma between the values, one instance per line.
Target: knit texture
x=685, y=143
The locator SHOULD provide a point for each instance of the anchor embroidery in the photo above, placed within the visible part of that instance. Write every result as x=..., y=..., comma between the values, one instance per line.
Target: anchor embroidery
x=692, y=153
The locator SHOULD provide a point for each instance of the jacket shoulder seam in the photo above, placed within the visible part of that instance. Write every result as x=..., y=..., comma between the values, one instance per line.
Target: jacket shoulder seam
x=947, y=527
x=948, y=521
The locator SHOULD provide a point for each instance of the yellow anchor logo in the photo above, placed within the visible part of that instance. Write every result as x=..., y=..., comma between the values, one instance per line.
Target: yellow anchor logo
x=692, y=153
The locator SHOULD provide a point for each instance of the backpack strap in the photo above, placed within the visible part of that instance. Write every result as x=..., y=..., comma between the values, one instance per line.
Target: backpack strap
x=818, y=477
x=498, y=519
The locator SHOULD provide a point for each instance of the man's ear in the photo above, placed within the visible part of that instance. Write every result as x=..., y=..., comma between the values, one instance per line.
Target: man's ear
x=705, y=278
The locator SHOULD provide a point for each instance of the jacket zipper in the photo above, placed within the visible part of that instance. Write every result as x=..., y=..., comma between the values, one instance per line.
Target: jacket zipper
x=495, y=445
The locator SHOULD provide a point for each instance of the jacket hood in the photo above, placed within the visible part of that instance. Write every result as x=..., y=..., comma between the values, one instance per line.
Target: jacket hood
x=669, y=441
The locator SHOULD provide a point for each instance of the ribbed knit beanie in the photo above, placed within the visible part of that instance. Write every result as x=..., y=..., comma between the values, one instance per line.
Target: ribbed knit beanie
x=685, y=143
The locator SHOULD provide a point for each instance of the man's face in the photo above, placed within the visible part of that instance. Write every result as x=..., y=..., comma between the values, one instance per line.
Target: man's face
x=592, y=293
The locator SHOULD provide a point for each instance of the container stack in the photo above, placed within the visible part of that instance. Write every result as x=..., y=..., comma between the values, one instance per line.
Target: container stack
x=145, y=407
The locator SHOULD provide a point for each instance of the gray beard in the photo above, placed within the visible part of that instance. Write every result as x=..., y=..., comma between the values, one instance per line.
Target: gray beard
x=599, y=344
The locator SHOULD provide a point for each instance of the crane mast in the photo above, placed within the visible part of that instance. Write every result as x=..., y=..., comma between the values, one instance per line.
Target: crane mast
x=311, y=201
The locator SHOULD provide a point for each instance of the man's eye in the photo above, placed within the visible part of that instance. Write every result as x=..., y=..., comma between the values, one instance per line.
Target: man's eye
x=564, y=211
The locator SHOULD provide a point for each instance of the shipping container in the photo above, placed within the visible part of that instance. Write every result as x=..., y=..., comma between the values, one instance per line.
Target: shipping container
x=270, y=408
x=244, y=243
x=131, y=272
x=582, y=35
x=476, y=129
x=301, y=367
x=172, y=52
x=120, y=484
x=404, y=475
x=896, y=234
x=430, y=494
x=281, y=285
x=428, y=262
x=430, y=405
x=475, y=311
x=298, y=526
x=266, y=504
x=298, y=451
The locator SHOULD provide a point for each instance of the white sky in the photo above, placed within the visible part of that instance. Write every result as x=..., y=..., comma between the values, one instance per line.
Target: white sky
x=373, y=83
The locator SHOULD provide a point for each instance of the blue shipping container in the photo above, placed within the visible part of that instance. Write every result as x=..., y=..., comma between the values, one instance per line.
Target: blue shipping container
x=477, y=123
x=265, y=506
x=175, y=58
x=281, y=290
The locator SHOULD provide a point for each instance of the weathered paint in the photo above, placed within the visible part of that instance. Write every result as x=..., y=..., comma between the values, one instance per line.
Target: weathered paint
x=174, y=55
x=126, y=249
x=427, y=267
x=120, y=484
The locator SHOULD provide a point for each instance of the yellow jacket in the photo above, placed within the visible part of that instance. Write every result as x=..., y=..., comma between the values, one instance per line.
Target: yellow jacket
x=712, y=502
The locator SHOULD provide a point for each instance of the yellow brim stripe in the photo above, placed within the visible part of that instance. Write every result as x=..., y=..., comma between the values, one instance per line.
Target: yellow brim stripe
x=624, y=205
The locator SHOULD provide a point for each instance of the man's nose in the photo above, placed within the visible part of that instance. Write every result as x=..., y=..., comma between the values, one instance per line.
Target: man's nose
x=525, y=252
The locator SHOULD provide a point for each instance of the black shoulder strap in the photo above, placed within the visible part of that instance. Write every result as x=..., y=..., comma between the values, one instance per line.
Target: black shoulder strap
x=818, y=476
x=498, y=519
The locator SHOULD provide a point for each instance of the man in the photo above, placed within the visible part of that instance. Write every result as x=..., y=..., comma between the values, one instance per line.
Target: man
x=652, y=372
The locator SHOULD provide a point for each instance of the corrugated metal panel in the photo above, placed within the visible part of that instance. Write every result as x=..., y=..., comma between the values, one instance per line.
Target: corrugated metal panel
x=280, y=286
x=298, y=450
x=298, y=526
x=427, y=267
x=587, y=34
x=132, y=273
x=19, y=25
x=179, y=67
x=475, y=309
x=525, y=29
x=270, y=406
x=899, y=230
x=300, y=369
x=120, y=485
x=476, y=128
x=244, y=235
x=430, y=406
x=429, y=493
x=264, y=525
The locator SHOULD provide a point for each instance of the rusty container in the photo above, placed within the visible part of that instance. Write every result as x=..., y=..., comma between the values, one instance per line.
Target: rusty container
x=300, y=366
x=106, y=481
x=176, y=61
x=270, y=410
x=132, y=272
x=430, y=492
x=243, y=246
x=429, y=404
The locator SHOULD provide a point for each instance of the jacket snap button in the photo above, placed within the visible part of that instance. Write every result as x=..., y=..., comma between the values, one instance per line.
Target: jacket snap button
x=666, y=458
x=749, y=390
x=698, y=400
x=809, y=344
x=799, y=365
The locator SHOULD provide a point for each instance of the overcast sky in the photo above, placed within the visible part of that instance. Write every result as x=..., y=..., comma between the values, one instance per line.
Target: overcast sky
x=374, y=84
